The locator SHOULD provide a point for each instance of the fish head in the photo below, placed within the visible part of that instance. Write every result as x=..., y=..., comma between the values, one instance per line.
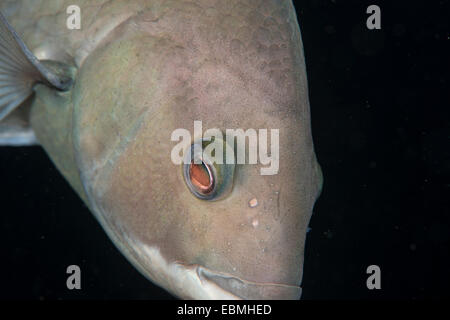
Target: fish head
x=207, y=229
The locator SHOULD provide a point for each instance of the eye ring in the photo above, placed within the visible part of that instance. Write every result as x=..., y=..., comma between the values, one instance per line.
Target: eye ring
x=199, y=174
x=197, y=177
x=205, y=178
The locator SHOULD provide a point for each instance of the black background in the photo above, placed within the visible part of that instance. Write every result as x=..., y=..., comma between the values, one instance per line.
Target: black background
x=379, y=101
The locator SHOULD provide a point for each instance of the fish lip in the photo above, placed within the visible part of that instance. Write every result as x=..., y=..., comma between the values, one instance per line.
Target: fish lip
x=195, y=281
x=240, y=288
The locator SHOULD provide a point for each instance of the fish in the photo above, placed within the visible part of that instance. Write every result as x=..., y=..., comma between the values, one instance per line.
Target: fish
x=105, y=99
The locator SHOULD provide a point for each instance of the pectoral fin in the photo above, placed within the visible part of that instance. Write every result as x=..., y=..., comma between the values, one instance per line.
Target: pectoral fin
x=20, y=70
x=15, y=129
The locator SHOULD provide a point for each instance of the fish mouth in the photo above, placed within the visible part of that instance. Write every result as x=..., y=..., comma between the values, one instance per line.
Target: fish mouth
x=194, y=281
x=227, y=285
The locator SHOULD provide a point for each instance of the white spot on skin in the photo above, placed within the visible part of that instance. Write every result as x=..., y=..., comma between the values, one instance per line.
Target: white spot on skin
x=253, y=203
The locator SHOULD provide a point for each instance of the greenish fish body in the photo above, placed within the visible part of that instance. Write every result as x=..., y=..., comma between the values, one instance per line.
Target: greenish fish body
x=104, y=100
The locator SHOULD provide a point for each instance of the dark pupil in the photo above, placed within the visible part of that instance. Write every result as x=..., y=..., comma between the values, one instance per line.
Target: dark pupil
x=201, y=177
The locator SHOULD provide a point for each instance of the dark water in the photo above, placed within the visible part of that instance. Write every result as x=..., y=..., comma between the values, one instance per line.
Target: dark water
x=379, y=103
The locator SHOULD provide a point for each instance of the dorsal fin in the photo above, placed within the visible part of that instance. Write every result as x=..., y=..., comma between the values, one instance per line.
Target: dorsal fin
x=20, y=70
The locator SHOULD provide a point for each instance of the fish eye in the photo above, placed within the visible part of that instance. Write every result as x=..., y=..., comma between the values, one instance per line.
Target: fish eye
x=206, y=179
x=202, y=178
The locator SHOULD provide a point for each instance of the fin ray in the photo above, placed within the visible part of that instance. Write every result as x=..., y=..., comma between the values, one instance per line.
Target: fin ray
x=11, y=100
x=20, y=70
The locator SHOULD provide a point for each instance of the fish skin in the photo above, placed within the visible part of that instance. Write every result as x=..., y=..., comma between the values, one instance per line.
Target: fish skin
x=42, y=25
x=150, y=67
